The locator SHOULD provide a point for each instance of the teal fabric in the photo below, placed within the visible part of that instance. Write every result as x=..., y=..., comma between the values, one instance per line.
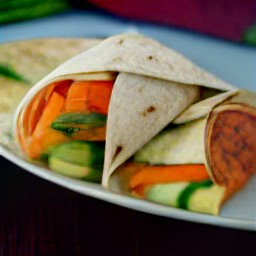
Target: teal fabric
x=249, y=36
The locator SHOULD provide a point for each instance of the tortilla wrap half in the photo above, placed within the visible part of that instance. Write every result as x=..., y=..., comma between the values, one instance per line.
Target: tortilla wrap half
x=224, y=142
x=154, y=84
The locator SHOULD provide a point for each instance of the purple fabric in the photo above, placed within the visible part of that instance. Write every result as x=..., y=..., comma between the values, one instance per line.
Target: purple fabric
x=228, y=19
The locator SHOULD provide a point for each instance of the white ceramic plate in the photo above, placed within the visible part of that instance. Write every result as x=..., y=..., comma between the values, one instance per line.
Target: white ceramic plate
x=233, y=63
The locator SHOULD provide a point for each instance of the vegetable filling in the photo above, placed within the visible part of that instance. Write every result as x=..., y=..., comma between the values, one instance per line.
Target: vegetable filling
x=68, y=117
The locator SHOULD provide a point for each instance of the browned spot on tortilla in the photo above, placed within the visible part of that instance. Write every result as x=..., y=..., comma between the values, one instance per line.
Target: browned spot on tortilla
x=118, y=59
x=120, y=41
x=150, y=57
x=231, y=146
x=149, y=110
x=117, y=152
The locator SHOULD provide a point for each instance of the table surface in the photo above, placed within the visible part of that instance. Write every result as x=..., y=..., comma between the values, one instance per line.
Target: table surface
x=41, y=218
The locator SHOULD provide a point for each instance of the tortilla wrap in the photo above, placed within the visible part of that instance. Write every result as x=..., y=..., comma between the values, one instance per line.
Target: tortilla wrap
x=143, y=66
x=224, y=142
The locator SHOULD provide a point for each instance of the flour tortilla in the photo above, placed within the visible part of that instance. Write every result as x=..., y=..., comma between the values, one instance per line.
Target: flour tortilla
x=139, y=61
x=186, y=144
x=140, y=114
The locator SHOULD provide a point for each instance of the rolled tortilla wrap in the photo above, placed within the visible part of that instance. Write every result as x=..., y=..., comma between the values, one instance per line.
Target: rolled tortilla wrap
x=224, y=142
x=143, y=66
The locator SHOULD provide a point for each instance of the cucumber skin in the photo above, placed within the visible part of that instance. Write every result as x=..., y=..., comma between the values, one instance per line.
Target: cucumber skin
x=183, y=199
x=72, y=157
x=159, y=193
x=166, y=194
x=81, y=118
x=91, y=174
x=85, y=153
x=203, y=197
x=68, y=131
x=68, y=123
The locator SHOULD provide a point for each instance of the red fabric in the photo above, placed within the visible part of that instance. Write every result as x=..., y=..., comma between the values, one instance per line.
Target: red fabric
x=223, y=18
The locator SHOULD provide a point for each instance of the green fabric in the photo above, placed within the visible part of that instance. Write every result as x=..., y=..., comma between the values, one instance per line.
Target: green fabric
x=249, y=36
x=16, y=10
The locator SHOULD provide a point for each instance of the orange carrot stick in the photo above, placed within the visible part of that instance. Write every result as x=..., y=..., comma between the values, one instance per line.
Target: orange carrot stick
x=22, y=139
x=89, y=96
x=38, y=105
x=23, y=121
x=52, y=137
x=41, y=99
x=49, y=91
x=62, y=87
x=50, y=113
x=94, y=134
x=36, y=111
x=149, y=174
x=139, y=191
